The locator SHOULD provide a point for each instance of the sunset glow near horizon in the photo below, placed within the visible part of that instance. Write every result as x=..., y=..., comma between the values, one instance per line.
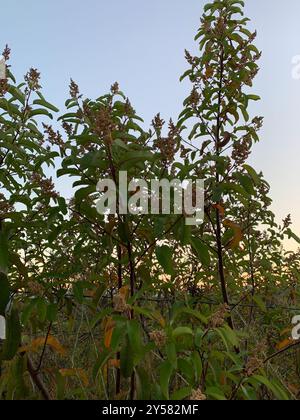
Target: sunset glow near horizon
x=141, y=45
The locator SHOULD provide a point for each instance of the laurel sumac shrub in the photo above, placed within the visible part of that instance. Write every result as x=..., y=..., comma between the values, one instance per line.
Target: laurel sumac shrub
x=145, y=306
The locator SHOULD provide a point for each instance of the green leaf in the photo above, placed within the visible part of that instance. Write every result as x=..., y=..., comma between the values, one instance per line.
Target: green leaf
x=17, y=94
x=83, y=193
x=182, y=331
x=13, y=336
x=253, y=174
x=228, y=336
x=215, y=393
x=37, y=112
x=260, y=303
x=117, y=336
x=253, y=97
x=52, y=311
x=165, y=371
x=186, y=368
x=181, y=394
x=105, y=355
x=134, y=336
x=46, y=104
x=246, y=183
x=4, y=293
x=277, y=390
x=192, y=312
x=292, y=235
x=4, y=256
x=127, y=364
x=172, y=354
x=198, y=368
x=164, y=256
x=201, y=250
x=143, y=384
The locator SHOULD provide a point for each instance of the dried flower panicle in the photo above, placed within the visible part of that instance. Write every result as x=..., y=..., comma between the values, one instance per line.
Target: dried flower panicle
x=253, y=365
x=120, y=304
x=263, y=190
x=218, y=318
x=184, y=151
x=256, y=361
x=242, y=149
x=5, y=206
x=257, y=123
x=261, y=348
x=159, y=338
x=205, y=25
x=74, y=89
x=193, y=61
x=115, y=88
x=54, y=137
x=3, y=87
x=101, y=120
x=158, y=123
x=3, y=82
x=287, y=222
x=197, y=395
x=194, y=98
x=32, y=78
x=68, y=128
x=46, y=185
x=128, y=109
x=35, y=288
x=6, y=53
x=220, y=27
x=167, y=146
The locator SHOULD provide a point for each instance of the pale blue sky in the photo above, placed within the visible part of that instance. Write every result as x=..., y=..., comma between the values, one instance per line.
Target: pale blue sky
x=141, y=44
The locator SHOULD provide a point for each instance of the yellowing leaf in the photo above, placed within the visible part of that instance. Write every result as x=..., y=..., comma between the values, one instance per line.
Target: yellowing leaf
x=209, y=72
x=38, y=343
x=238, y=233
x=285, y=343
x=89, y=293
x=109, y=329
x=114, y=363
x=220, y=208
x=293, y=388
x=79, y=373
x=124, y=291
x=287, y=330
x=105, y=372
x=159, y=318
